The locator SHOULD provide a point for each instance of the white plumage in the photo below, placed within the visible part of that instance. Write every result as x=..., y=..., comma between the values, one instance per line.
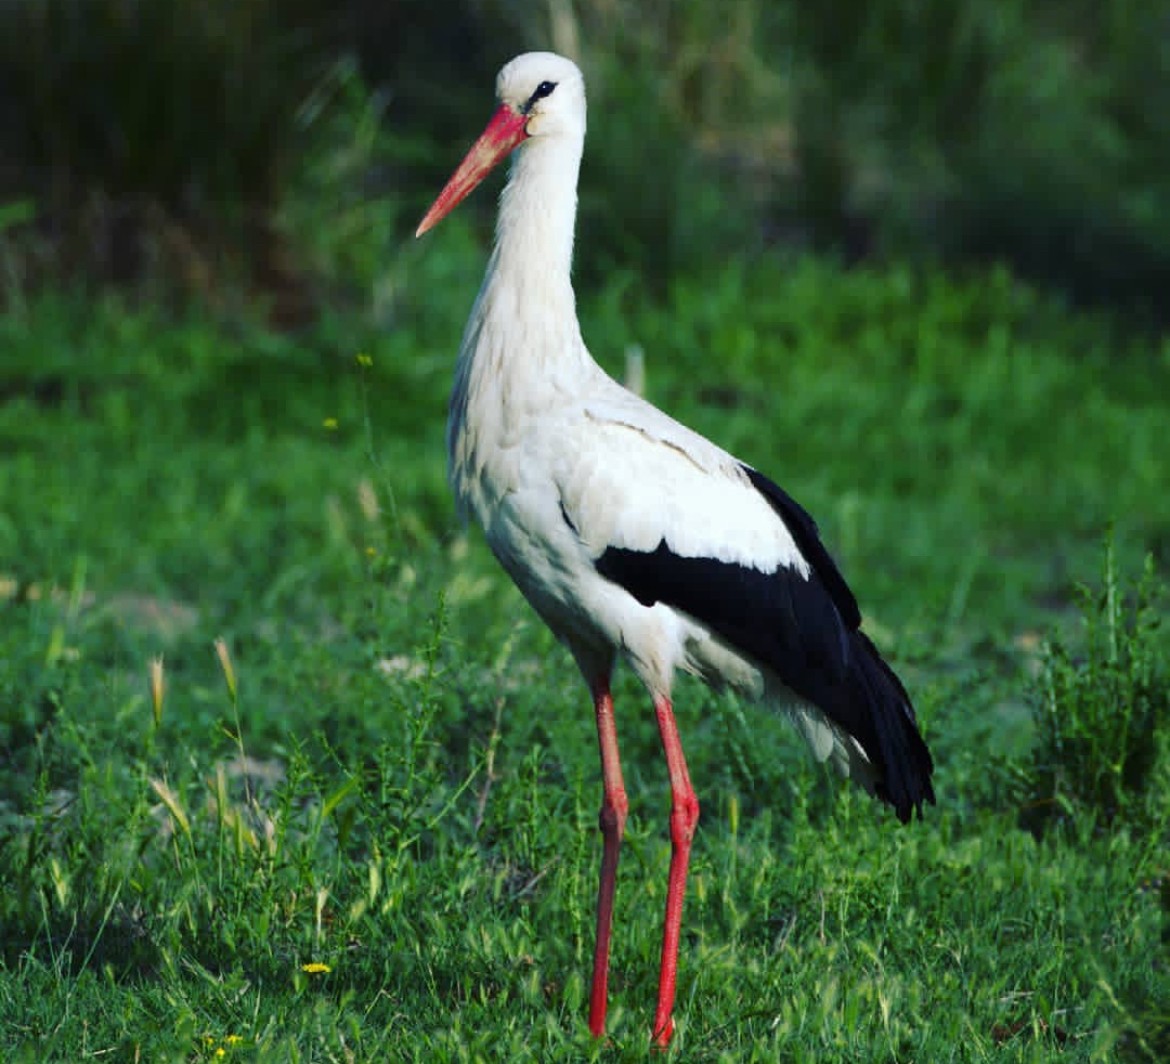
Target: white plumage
x=629, y=533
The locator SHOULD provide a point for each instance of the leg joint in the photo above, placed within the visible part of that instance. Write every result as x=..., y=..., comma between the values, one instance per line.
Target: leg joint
x=612, y=819
x=684, y=817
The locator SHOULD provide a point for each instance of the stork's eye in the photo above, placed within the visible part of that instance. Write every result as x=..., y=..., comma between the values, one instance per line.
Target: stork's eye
x=544, y=89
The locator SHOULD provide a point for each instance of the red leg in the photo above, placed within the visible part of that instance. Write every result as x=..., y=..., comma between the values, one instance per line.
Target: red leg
x=684, y=815
x=613, y=825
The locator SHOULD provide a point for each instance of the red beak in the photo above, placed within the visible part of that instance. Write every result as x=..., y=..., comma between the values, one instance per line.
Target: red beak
x=503, y=133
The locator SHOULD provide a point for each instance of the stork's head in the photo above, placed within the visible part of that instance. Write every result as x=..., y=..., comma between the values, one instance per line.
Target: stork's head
x=542, y=96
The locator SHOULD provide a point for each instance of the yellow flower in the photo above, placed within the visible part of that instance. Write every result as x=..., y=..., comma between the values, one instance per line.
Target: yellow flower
x=316, y=968
x=364, y=361
x=330, y=423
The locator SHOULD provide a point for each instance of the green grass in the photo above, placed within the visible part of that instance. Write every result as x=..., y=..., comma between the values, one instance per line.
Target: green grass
x=402, y=784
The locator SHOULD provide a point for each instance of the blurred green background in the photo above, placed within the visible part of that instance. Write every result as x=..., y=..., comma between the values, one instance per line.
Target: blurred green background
x=287, y=145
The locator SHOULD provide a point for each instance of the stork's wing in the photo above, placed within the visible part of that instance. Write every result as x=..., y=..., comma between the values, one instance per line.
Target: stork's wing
x=726, y=520
x=671, y=518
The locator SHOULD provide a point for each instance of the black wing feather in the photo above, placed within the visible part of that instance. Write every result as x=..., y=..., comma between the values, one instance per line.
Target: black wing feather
x=808, y=538
x=804, y=629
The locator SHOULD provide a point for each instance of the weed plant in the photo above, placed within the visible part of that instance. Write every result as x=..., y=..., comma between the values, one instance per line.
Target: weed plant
x=1103, y=714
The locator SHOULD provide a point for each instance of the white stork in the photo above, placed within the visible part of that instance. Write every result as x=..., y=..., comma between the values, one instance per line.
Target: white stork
x=629, y=533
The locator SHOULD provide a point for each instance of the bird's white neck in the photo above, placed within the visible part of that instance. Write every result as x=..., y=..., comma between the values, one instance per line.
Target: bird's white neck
x=523, y=331
x=522, y=353
x=534, y=231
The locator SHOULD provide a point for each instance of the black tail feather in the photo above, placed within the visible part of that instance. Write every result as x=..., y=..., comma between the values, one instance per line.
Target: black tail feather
x=892, y=741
